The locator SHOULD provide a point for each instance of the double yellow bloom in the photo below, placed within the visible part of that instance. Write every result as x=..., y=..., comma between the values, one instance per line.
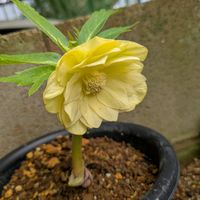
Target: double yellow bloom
x=94, y=82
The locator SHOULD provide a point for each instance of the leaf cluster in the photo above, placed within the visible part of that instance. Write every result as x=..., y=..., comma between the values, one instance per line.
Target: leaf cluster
x=33, y=77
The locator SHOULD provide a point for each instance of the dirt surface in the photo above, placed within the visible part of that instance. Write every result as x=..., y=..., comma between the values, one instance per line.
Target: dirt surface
x=119, y=171
x=189, y=184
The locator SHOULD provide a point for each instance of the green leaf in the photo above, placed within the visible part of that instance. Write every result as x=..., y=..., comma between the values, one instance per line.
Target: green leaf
x=48, y=58
x=94, y=25
x=113, y=33
x=33, y=77
x=36, y=85
x=76, y=32
x=43, y=24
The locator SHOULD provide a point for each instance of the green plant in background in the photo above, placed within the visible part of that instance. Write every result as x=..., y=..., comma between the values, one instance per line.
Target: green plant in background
x=63, y=9
x=95, y=79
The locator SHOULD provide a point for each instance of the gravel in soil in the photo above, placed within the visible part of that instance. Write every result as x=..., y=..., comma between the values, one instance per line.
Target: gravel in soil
x=189, y=183
x=119, y=171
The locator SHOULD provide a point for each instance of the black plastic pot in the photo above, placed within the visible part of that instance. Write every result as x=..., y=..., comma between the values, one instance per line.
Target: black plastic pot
x=154, y=145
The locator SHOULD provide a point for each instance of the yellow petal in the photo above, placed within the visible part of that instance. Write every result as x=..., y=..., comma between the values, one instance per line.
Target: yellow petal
x=65, y=66
x=90, y=116
x=73, y=89
x=59, y=114
x=103, y=111
x=132, y=78
x=52, y=89
x=82, y=119
x=78, y=128
x=101, y=46
x=72, y=110
x=117, y=69
x=53, y=105
x=139, y=94
x=100, y=61
x=121, y=59
x=113, y=95
x=136, y=98
x=65, y=119
x=98, y=51
x=134, y=49
x=136, y=88
x=98, y=46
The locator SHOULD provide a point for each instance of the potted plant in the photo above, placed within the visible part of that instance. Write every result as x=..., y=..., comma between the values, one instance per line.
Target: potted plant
x=95, y=79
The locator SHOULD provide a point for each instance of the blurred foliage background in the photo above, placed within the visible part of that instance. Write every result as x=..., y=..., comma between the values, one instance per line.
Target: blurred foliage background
x=63, y=9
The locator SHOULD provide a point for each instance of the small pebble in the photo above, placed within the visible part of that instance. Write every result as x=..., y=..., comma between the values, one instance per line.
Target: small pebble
x=118, y=176
x=36, y=185
x=85, y=141
x=18, y=188
x=127, y=181
x=53, y=162
x=64, y=177
x=8, y=193
x=38, y=149
x=108, y=175
x=29, y=155
x=51, y=149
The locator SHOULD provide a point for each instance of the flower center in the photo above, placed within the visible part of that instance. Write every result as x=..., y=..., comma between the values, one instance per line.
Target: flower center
x=94, y=82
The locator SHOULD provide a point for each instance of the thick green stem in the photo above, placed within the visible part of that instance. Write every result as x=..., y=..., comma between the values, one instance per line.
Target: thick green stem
x=77, y=175
x=77, y=158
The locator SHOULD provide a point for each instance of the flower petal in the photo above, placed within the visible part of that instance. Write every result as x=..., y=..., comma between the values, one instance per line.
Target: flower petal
x=65, y=65
x=82, y=119
x=135, y=85
x=78, y=128
x=73, y=89
x=65, y=119
x=103, y=111
x=72, y=110
x=103, y=45
x=132, y=78
x=53, y=88
x=99, y=46
x=113, y=95
x=139, y=93
x=100, y=61
x=133, y=49
x=117, y=69
x=122, y=59
x=53, y=105
x=137, y=97
x=90, y=116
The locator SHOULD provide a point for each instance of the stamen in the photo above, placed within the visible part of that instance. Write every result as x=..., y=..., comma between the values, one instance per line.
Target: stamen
x=94, y=82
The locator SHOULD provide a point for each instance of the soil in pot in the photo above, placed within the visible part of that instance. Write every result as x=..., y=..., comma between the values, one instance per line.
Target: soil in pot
x=189, y=183
x=119, y=170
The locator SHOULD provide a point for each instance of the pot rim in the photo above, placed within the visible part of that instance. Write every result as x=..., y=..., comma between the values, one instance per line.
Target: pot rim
x=169, y=169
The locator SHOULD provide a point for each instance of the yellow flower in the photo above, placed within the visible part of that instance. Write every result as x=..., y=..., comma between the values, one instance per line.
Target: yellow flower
x=94, y=82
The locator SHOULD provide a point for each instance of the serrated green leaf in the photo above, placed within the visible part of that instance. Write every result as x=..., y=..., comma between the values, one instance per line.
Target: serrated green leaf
x=94, y=25
x=76, y=32
x=70, y=36
x=113, y=33
x=43, y=24
x=46, y=58
x=33, y=77
x=37, y=84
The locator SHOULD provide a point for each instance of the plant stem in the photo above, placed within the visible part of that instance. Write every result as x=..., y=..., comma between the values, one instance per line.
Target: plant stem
x=80, y=176
x=77, y=158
